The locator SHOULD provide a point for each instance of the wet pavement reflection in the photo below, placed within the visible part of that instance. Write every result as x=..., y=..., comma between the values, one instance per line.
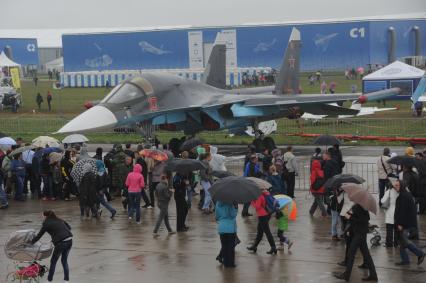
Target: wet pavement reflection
x=116, y=250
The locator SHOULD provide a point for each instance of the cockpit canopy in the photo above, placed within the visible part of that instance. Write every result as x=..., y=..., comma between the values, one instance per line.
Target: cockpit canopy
x=129, y=90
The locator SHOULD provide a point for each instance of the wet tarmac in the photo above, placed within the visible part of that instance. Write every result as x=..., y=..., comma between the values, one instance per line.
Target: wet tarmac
x=117, y=250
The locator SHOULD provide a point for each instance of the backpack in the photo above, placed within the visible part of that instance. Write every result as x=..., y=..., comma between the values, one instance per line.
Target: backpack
x=319, y=182
x=272, y=205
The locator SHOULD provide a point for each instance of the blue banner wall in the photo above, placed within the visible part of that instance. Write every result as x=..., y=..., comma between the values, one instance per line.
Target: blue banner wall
x=328, y=46
x=131, y=51
x=379, y=39
x=24, y=50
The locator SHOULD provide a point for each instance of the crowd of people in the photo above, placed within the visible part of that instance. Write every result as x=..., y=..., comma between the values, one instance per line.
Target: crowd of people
x=52, y=174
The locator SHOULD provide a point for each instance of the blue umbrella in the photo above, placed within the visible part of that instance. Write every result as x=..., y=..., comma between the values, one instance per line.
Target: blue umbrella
x=47, y=150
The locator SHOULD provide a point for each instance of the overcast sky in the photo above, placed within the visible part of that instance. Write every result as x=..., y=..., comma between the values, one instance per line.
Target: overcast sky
x=36, y=14
x=47, y=20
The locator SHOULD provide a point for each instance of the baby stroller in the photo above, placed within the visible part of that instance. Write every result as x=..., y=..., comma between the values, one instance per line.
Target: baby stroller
x=25, y=255
x=375, y=240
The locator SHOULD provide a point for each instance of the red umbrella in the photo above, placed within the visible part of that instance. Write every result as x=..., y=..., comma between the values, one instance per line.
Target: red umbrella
x=154, y=154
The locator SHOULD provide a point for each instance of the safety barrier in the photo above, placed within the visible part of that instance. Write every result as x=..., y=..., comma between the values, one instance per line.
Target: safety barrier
x=368, y=171
x=407, y=127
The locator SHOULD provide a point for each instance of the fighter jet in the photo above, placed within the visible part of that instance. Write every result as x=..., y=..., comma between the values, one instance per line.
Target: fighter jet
x=179, y=104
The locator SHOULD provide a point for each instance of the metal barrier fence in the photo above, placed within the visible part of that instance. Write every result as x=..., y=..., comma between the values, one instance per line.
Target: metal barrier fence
x=368, y=171
x=406, y=127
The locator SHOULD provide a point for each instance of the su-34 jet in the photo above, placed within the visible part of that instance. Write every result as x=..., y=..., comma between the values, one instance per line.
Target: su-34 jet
x=175, y=103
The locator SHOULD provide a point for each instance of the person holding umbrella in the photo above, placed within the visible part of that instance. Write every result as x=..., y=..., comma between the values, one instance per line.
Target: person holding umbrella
x=359, y=217
x=406, y=223
x=262, y=224
x=226, y=215
x=87, y=195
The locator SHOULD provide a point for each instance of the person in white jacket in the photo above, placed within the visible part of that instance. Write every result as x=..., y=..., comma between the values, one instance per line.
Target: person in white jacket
x=388, y=200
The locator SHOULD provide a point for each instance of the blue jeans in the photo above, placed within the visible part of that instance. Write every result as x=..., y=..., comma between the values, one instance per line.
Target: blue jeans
x=134, y=205
x=3, y=195
x=102, y=200
x=19, y=188
x=62, y=249
x=207, y=196
x=335, y=220
x=407, y=244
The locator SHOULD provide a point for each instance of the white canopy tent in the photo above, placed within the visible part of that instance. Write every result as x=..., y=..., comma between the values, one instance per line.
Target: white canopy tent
x=6, y=62
x=56, y=64
x=395, y=70
x=396, y=74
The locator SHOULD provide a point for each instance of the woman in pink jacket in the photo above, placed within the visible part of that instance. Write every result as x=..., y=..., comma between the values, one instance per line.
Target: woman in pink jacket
x=262, y=224
x=135, y=183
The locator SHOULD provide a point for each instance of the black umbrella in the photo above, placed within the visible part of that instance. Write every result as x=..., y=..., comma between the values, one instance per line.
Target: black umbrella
x=190, y=144
x=234, y=189
x=185, y=165
x=326, y=140
x=403, y=160
x=222, y=174
x=337, y=180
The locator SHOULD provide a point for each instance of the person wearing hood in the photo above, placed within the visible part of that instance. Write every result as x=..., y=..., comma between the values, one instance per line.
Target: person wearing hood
x=262, y=224
x=102, y=188
x=226, y=215
x=217, y=163
x=83, y=154
x=119, y=170
x=164, y=195
x=88, y=196
x=135, y=184
x=66, y=167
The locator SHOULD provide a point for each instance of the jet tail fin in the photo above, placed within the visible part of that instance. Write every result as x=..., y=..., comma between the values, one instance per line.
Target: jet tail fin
x=287, y=81
x=215, y=72
x=420, y=91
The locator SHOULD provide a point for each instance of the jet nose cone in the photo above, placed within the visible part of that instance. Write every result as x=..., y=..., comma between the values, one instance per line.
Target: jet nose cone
x=96, y=118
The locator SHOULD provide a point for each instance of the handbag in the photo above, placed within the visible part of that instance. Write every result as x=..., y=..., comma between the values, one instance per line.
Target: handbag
x=386, y=204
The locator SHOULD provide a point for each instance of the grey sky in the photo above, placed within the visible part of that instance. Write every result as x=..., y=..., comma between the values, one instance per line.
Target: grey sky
x=47, y=20
x=36, y=14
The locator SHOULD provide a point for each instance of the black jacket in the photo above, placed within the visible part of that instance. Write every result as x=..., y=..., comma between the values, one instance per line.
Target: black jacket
x=331, y=168
x=88, y=187
x=405, y=210
x=58, y=229
x=359, y=220
x=142, y=163
x=412, y=180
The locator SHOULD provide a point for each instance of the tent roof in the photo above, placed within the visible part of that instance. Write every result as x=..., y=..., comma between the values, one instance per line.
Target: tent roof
x=58, y=62
x=395, y=70
x=6, y=62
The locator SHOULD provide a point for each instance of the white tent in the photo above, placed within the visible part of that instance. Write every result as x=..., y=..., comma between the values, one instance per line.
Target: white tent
x=56, y=64
x=6, y=62
x=396, y=74
x=395, y=70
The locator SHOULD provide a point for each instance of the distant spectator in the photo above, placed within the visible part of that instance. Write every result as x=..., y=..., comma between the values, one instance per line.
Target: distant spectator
x=49, y=100
x=39, y=100
x=323, y=87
